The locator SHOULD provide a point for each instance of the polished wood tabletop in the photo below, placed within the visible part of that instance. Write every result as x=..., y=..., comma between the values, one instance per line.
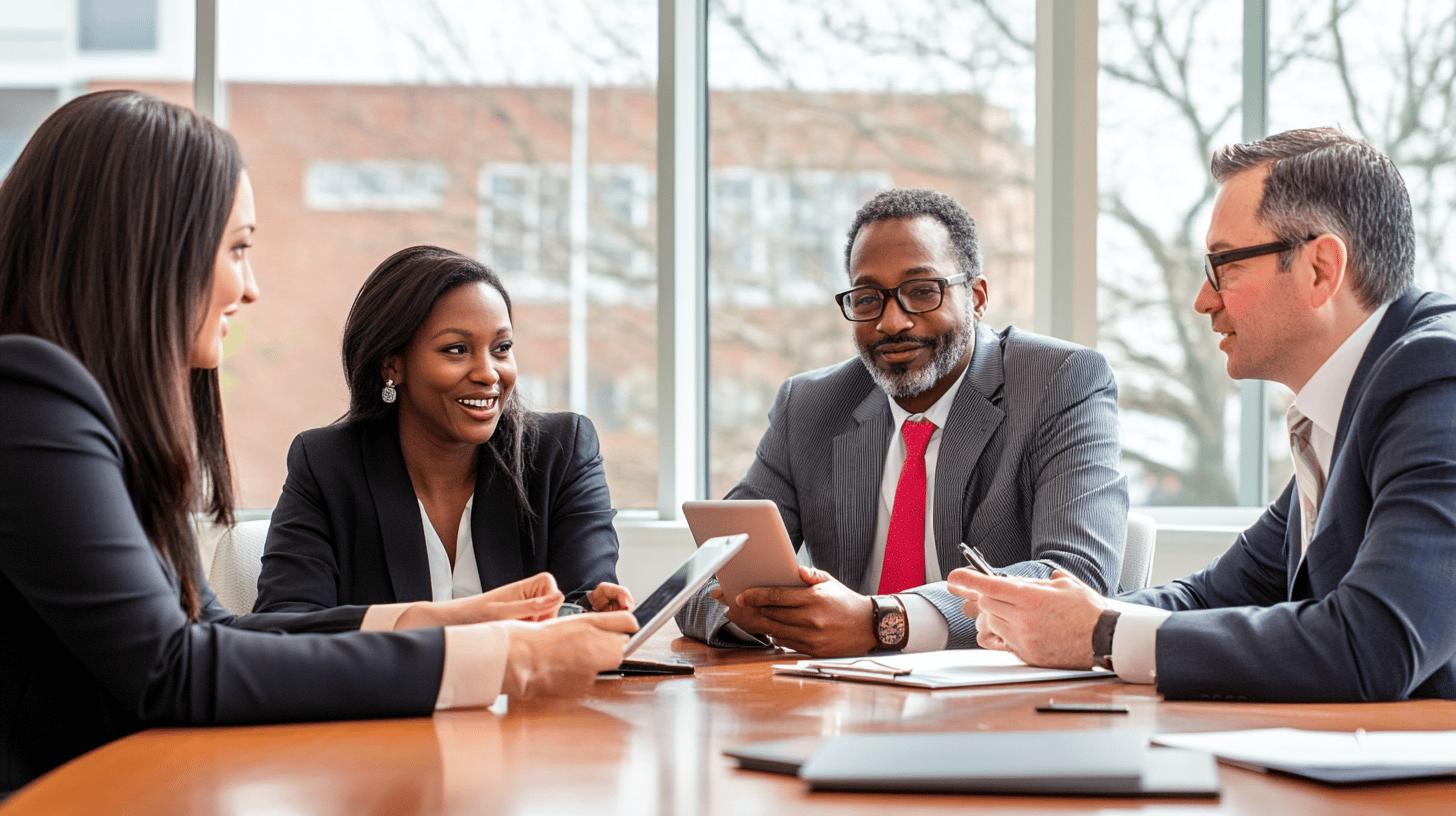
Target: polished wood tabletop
x=653, y=746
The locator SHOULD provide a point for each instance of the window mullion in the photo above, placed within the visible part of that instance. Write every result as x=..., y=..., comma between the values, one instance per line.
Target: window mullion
x=1254, y=394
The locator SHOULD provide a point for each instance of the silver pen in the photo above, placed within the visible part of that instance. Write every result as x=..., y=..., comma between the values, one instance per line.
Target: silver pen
x=977, y=561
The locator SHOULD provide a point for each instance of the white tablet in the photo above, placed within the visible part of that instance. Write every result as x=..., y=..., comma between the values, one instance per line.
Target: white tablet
x=767, y=560
x=664, y=602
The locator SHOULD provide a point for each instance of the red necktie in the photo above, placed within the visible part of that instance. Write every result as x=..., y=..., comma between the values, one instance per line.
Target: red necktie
x=904, y=565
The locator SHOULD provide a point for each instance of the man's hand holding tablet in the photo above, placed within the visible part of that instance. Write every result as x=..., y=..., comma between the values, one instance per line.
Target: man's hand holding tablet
x=768, y=592
x=823, y=619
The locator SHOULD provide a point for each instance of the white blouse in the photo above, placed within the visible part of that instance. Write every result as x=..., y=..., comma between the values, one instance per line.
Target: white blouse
x=464, y=580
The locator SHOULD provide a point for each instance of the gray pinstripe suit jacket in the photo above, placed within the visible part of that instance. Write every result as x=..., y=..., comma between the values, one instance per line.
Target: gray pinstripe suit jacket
x=1027, y=471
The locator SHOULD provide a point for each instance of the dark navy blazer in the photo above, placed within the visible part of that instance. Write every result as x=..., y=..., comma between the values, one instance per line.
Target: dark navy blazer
x=95, y=644
x=1369, y=613
x=347, y=529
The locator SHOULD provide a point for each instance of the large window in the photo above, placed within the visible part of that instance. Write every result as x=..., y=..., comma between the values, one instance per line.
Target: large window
x=520, y=132
x=526, y=132
x=1385, y=72
x=1170, y=92
x=815, y=106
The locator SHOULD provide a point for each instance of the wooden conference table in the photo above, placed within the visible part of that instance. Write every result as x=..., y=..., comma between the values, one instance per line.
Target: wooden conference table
x=652, y=746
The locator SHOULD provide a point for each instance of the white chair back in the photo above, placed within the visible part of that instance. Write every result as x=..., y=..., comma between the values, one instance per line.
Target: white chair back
x=236, y=564
x=1137, y=555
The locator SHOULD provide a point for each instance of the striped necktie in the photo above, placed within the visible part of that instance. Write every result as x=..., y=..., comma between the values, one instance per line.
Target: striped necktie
x=1309, y=479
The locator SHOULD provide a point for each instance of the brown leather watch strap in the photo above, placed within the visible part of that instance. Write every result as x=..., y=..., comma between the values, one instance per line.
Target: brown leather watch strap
x=1102, y=638
x=886, y=606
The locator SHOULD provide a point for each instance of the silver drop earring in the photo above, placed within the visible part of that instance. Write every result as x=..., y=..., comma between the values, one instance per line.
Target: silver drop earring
x=389, y=395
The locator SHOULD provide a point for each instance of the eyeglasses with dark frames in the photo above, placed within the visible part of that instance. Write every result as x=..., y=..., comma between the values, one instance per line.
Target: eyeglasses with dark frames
x=915, y=296
x=1213, y=260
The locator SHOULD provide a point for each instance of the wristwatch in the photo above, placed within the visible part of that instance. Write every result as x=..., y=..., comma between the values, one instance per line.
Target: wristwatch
x=892, y=628
x=1102, y=639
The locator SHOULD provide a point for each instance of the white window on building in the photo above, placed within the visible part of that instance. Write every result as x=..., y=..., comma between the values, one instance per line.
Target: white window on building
x=777, y=236
x=375, y=185
x=117, y=25
x=621, y=197
x=524, y=221
x=523, y=227
x=21, y=112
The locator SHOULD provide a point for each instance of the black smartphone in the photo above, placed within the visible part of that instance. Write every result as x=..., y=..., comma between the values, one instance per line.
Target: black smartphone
x=648, y=668
x=1082, y=708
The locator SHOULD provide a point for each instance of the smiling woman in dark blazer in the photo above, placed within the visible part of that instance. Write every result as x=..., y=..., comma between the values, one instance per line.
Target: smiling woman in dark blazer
x=125, y=228
x=438, y=484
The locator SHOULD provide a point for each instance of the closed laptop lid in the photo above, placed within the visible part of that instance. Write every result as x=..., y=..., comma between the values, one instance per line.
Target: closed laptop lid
x=990, y=762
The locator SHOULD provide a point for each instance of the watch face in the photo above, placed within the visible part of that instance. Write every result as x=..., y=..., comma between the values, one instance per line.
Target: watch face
x=892, y=628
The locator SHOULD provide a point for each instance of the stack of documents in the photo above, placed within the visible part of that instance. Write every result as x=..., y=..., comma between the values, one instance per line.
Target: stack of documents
x=1339, y=757
x=955, y=668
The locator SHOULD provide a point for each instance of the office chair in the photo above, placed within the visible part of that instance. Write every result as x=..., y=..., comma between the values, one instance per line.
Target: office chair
x=236, y=564
x=1137, y=556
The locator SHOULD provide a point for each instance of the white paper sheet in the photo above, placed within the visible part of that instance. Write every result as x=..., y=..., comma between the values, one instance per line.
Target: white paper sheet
x=952, y=668
x=1284, y=747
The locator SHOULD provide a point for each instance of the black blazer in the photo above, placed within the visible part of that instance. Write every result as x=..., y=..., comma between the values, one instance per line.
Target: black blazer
x=95, y=644
x=347, y=529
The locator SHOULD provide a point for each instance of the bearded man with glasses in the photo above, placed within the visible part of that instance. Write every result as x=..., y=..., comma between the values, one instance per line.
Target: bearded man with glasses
x=943, y=431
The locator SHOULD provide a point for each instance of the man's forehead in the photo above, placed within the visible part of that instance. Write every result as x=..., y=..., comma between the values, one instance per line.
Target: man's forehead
x=1235, y=210
x=898, y=244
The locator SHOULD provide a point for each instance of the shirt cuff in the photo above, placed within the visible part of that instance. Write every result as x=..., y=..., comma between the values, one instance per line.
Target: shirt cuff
x=731, y=630
x=1135, y=641
x=928, y=630
x=382, y=617
x=475, y=664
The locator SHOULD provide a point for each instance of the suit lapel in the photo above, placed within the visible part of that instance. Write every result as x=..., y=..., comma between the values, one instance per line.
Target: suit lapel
x=859, y=467
x=1392, y=326
x=500, y=555
x=1293, y=556
x=400, y=529
x=974, y=417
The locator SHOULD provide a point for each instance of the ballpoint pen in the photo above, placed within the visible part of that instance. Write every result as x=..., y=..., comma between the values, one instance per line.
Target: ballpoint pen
x=977, y=561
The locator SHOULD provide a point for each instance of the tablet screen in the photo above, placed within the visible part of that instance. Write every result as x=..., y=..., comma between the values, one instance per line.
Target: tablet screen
x=692, y=569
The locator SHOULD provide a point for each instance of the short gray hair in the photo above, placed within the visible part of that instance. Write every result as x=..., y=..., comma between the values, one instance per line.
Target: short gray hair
x=909, y=202
x=1321, y=180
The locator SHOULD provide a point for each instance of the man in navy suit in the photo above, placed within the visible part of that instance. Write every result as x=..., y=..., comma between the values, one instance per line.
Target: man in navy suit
x=1345, y=588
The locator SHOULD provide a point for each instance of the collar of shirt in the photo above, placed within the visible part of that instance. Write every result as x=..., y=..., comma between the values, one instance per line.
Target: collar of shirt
x=1323, y=397
x=463, y=580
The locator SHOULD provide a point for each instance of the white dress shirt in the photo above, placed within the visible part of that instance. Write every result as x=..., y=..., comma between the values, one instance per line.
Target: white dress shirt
x=928, y=629
x=463, y=580
x=475, y=654
x=1134, y=643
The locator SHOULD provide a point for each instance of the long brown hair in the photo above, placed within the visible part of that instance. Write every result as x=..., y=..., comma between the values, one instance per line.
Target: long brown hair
x=110, y=223
x=393, y=303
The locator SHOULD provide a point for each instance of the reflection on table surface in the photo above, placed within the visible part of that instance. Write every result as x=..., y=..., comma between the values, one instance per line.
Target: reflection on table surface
x=653, y=746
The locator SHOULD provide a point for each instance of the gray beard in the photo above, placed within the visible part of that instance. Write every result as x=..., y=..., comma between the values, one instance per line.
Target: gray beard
x=902, y=382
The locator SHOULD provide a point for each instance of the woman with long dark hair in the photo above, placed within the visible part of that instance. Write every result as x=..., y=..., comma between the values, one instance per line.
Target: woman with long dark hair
x=124, y=233
x=438, y=483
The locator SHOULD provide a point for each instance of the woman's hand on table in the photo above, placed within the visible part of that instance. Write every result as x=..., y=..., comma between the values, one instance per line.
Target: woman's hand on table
x=610, y=597
x=530, y=599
